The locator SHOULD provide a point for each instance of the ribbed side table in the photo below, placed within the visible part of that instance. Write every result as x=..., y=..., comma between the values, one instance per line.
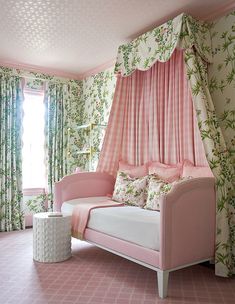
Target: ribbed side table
x=51, y=238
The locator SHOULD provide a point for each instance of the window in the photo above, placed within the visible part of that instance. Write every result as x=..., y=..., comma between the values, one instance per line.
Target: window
x=33, y=141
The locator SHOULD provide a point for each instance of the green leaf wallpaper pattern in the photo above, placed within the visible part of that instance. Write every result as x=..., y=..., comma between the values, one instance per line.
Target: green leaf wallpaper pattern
x=222, y=77
x=95, y=103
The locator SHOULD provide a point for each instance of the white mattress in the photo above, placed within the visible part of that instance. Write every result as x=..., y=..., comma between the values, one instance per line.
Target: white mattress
x=128, y=223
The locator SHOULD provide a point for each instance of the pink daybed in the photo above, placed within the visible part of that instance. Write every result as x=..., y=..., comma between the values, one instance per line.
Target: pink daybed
x=186, y=223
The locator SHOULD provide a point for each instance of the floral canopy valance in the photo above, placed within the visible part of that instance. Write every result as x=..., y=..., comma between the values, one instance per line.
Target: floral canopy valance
x=158, y=44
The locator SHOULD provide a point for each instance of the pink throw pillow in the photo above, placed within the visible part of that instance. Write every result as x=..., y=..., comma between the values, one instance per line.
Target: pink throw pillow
x=168, y=173
x=133, y=171
x=195, y=171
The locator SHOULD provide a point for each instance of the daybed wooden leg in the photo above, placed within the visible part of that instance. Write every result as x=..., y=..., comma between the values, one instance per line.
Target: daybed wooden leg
x=162, y=280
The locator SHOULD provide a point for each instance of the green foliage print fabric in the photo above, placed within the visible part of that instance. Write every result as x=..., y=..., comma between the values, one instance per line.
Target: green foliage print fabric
x=95, y=103
x=37, y=204
x=11, y=217
x=38, y=81
x=57, y=104
x=219, y=161
x=144, y=51
x=130, y=190
x=63, y=115
x=222, y=88
x=158, y=44
x=156, y=189
x=222, y=77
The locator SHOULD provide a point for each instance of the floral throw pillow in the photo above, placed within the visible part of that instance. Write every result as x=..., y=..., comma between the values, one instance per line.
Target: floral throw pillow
x=157, y=188
x=130, y=190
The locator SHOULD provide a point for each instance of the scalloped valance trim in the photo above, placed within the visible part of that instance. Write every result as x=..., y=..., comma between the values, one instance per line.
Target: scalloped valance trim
x=158, y=44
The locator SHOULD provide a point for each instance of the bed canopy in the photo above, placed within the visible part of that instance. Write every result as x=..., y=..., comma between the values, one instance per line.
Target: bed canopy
x=182, y=32
x=158, y=45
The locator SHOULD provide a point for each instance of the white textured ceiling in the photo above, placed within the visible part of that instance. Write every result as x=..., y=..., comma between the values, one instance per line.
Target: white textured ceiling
x=75, y=36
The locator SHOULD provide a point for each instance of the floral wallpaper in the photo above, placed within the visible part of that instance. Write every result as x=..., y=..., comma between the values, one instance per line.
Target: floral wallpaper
x=94, y=106
x=222, y=77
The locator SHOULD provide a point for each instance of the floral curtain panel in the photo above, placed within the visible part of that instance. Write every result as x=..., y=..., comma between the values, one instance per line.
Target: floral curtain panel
x=11, y=98
x=56, y=133
x=193, y=36
x=63, y=104
x=219, y=162
x=36, y=81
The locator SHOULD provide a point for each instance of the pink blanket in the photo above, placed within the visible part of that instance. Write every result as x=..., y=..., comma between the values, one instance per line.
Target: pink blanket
x=81, y=215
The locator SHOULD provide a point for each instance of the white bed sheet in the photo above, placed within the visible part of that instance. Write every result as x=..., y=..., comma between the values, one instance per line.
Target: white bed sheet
x=128, y=223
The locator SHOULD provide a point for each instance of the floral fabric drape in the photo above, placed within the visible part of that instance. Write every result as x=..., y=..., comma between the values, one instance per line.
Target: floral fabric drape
x=194, y=37
x=159, y=44
x=36, y=81
x=11, y=98
x=219, y=161
x=57, y=134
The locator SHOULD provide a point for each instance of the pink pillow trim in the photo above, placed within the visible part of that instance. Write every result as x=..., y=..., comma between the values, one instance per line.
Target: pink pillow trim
x=196, y=171
x=162, y=165
x=168, y=173
x=133, y=171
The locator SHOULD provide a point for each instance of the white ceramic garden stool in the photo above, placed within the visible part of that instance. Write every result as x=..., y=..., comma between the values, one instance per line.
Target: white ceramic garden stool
x=51, y=238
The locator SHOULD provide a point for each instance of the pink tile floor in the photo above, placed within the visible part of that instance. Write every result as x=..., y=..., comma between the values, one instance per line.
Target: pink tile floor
x=93, y=276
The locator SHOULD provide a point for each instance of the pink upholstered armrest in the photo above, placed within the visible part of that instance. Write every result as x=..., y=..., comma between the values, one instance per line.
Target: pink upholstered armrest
x=187, y=230
x=84, y=184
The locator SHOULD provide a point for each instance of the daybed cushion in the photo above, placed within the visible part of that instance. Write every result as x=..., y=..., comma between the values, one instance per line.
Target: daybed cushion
x=128, y=223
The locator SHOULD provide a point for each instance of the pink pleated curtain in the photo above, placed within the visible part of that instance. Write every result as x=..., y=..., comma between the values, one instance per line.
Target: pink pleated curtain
x=152, y=119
